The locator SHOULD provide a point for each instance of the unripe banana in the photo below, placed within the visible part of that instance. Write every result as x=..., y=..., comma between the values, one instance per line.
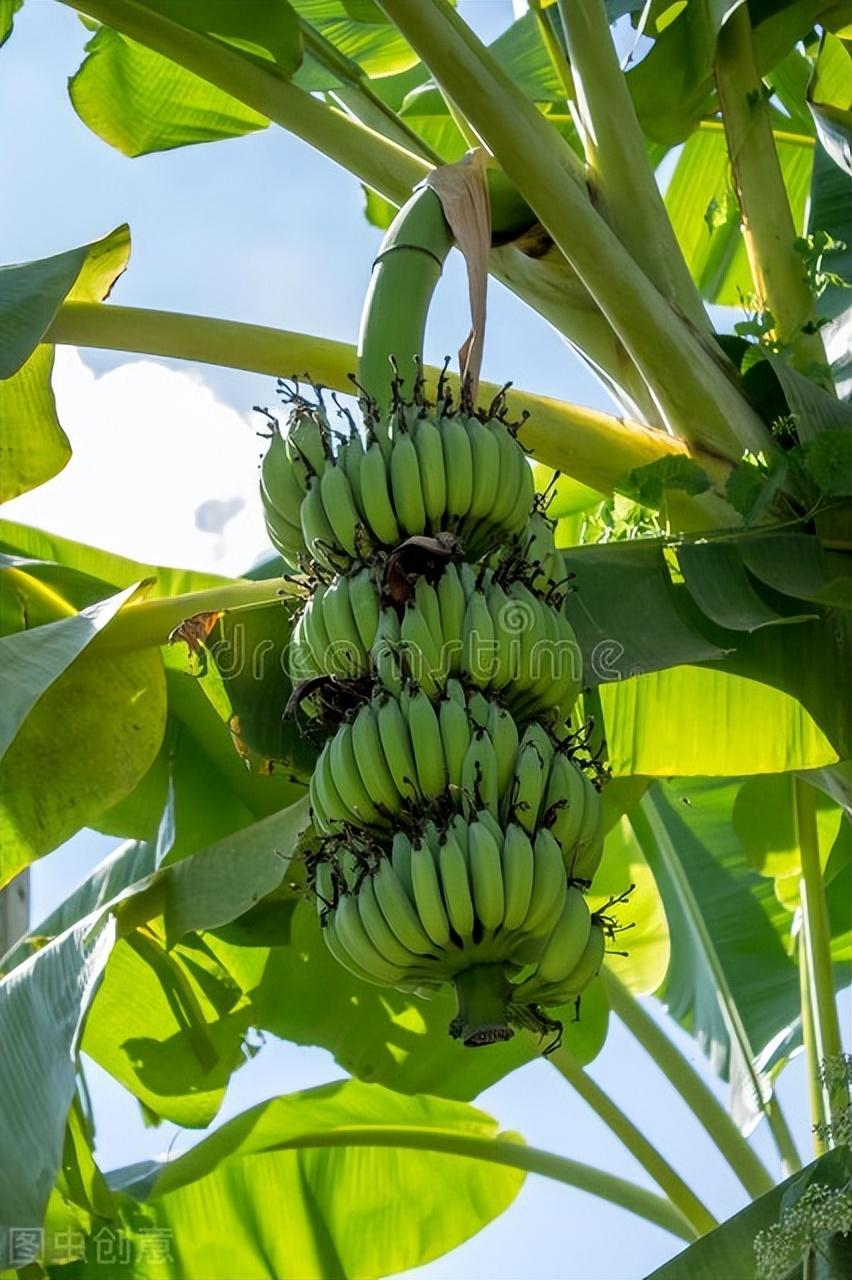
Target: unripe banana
x=528, y=789
x=320, y=818
x=379, y=931
x=426, y=600
x=565, y=804
x=364, y=599
x=283, y=486
x=302, y=664
x=419, y=651
x=350, y=457
x=316, y=632
x=339, y=507
x=587, y=968
x=289, y=532
x=486, y=874
x=518, y=516
x=504, y=734
x=348, y=656
x=452, y=604
x=352, y=934
x=405, y=485
x=433, y=482
x=490, y=822
x=478, y=709
x=456, y=886
x=499, y=607
x=319, y=535
x=396, y=744
x=401, y=861
x=375, y=497
x=518, y=861
x=587, y=860
x=347, y=778
x=479, y=775
x=455, y=738
x=549, y=883
x=455, y=690
x=458, y=469
x=589, y=828
x=478, y=659
x=485, y=456
x=426, y=741
x=510, y=476
x=427, y=895
x=385, y=652
x=341, y=954
x=324, y=888
x=370, y=757
x=325, y=791
x=305, y=439
x=567, y=942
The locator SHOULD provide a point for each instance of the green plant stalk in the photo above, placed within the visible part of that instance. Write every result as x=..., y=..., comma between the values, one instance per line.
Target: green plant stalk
x=554, y=50
x=515, y=1155
x=706, y=1108
x=816, y=1096
x=143, y=624
x=680, y=1195
x=817, y=933
x=768, y=229
x=595, y=447
x=691, y=383
x=390, y=169
x=650, y=830
x=617, y=163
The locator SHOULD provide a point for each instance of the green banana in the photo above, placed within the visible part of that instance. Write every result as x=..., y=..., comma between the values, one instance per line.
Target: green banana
x=379, y=931
x=426, y=600
x=458, y=469
x=346, y=650
x=279, y=478
x=396, y=744
x=549, y=883
x=567, y=942
x=425, y=731
x=528, y=790
x=350, y=457
x=565, y=804
x=342, y=956
x=590, y=826
x=452, y=864
x=401, y=861
x=302, y=664
x=398, y=911
x=427, y=895
x=486, y=874
x=339, y=507
x=348, y=780
x=355, y=940
x=364, y=599
x=504, y=734
x=370, y=758
x=518, y=861
x=587, y=967
x=316, y=632
x=420, y=653
x=451, y=604
x=405, y=485
x=510, y=477
x=319, y=535
x=385, y=651
x=478, y=659
x=520, y=513
x=324, y=787
x=479, y=775
x=490, y=822
x=587, y=860
x=455, y=738
x=375, y=497
x=433, y=480
x=305, y=438
x=485, y=456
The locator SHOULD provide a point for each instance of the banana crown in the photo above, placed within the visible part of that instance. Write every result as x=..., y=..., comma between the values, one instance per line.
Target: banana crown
x=458, y=818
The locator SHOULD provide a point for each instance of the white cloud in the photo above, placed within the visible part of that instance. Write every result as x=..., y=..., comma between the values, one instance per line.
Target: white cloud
x=162, y=471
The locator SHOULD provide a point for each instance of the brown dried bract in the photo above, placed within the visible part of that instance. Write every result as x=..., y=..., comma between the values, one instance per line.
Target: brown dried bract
x=195, y=630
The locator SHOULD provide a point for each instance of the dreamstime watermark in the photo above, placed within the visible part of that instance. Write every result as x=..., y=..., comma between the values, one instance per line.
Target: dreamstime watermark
x=107, y=1247
x=511, y=652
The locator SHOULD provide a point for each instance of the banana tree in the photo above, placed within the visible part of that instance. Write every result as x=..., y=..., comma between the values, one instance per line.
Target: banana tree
x=704, y=529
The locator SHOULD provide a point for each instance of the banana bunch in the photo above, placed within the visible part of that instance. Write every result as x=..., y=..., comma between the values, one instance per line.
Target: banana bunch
x=431, y=471
x=336, y=630
x=467, y=900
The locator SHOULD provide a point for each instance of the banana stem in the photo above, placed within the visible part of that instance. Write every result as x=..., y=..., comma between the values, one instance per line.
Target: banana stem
x=616, y=158
x=482, y=993
x=514, y=1154
x=817, y=942
x=680, y=1195
x=768, y=229
x=816, y=1097
x=706, y=1108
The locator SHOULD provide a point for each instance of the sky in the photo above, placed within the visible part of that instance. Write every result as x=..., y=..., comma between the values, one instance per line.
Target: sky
x=262, y=229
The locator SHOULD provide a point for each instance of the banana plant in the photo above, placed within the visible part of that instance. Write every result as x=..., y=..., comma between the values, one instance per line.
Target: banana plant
x=704, y=526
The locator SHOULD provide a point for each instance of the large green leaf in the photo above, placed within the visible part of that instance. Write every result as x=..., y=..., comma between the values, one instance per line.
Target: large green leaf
x=351, y=1210
x=831, y=212
x=32, y=660
x=8, y=9
x=140, y=102
x=263, y=33
x=639, y=956
x=730, y=1250
x=830, y=99
x=375, y=46
x=42, y=1008
x=33, y=446
x=380, y=1035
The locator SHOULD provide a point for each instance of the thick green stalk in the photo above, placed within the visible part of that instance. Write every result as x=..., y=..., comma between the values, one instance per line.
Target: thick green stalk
x=706, y=1108
x=635, y=1141
x=616, y=159
x=555, y=52
x=768, y=229
x=390, y=169
x=505, y=1151
x=595, y=447
x=143, y=624
x=691, y=383
x=650, y=831
x=816, y=1096
x=817, y=930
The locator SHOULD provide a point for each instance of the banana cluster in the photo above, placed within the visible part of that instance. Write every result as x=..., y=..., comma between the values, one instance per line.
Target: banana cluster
x=500, y=638
x=337, y=500
x=473, y=903
x=405, y=756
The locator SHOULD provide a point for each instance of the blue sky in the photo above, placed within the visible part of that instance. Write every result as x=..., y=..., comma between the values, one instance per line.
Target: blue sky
x=262, y=229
